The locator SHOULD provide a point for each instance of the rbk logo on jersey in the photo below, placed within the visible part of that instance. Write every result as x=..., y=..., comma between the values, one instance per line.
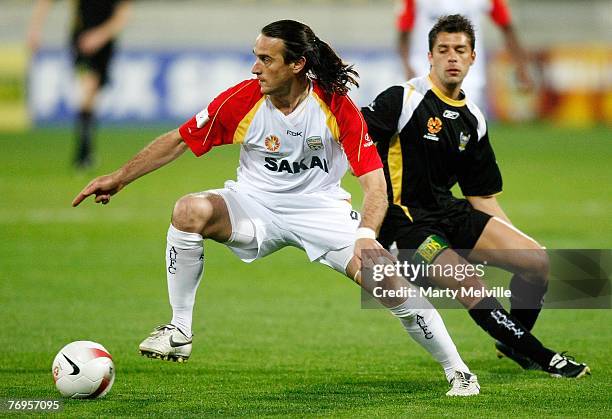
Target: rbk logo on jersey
x=272, y=143
x=450, y=114
x=276, y=165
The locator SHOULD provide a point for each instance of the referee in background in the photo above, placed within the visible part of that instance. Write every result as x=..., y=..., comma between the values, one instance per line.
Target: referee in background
x=96, y=25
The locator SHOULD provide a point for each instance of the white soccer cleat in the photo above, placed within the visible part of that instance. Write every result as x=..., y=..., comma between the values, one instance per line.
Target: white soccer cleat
x=464, y=384
x=166, y=342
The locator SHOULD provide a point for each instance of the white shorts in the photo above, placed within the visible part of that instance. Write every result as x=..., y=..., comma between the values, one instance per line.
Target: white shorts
x=261, y=224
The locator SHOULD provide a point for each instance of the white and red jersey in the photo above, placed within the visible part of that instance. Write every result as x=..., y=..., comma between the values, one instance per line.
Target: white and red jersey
x=307, y=151
x=419, y=16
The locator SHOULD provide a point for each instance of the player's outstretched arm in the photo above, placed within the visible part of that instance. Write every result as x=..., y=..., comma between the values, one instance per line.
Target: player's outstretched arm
x=164, y=149
x=374, y=209
x=375, y=201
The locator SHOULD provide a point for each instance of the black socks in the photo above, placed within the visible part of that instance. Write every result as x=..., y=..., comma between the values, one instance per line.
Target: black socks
x=504, y=327
x=526, y=300
x=84, y=134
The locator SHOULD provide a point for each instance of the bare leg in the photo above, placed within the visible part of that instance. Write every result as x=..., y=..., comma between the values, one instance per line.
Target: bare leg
x=503, y=245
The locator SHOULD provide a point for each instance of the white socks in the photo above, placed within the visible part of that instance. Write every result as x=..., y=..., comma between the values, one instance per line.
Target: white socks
x=184, y=266
x=425, y=326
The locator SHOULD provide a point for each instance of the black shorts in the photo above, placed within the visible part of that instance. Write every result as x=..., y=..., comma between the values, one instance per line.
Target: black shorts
x=98, y=62
x=459, y=224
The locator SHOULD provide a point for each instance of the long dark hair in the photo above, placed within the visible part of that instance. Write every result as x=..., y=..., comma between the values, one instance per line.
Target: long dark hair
x=322, y=63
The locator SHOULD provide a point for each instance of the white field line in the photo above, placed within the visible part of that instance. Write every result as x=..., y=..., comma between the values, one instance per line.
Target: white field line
x=70, y=215
x=75, y=215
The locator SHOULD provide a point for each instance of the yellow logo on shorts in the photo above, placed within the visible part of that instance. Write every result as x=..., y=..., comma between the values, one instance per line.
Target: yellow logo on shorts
x=272, y=143
x=431, y=248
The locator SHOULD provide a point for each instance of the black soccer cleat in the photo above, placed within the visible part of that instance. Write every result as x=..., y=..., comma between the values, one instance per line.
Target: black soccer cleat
x=525, y=362
x=562, y=365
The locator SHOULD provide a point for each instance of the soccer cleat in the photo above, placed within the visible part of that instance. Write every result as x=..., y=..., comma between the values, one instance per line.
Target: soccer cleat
x=562, y=365
x=168, y=343
x=464, y=384
x=526, y=363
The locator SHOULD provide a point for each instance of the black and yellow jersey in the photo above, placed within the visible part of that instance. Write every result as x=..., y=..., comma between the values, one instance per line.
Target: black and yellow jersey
x=428, y=142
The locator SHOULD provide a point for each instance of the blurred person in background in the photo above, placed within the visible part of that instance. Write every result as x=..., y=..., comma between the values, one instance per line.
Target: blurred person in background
x=95, y=27
x=415, y=19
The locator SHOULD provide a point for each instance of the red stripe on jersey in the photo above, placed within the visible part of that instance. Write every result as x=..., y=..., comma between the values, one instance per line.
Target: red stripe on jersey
x=405, y=19
x=354, y=137
x=500, y=13
x=224, y=114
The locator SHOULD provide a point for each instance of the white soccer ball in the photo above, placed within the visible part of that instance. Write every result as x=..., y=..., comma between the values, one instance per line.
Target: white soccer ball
x=83, y=369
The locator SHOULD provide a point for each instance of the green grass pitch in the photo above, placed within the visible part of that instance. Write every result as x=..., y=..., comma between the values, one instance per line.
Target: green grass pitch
x=280, y=336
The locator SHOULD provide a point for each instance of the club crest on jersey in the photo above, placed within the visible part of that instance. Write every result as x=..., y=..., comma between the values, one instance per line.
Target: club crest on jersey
x=434, y=125
x=463, y=140
x=272, y=143
x=314, y=143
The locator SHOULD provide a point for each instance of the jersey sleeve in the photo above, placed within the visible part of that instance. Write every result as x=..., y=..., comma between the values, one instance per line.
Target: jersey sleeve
x=354, y=137
x=478, y=173
x=405, y=18
x=216, y=124
x=202, y=139
x=382, y=115
x=500, y=13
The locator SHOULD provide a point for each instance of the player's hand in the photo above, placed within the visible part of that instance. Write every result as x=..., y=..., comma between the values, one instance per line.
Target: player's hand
x=92, y=40
x=102, y=187
x=369, y=252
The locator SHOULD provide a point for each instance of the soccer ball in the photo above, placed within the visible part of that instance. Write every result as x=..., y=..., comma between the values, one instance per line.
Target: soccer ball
x=83, y=369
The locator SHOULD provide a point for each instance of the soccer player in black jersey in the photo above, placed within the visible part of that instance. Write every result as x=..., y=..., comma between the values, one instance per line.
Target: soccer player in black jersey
x=430, y=136
x=96, y=24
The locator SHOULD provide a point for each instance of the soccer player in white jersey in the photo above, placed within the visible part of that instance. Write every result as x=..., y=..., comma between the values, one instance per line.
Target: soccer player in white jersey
x=298, y=132
x=416, y=18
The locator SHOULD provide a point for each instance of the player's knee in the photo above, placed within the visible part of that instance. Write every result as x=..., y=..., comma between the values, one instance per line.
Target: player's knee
x=470, y=283
x=470, y=290
x=539, y=264
x=191, y=213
